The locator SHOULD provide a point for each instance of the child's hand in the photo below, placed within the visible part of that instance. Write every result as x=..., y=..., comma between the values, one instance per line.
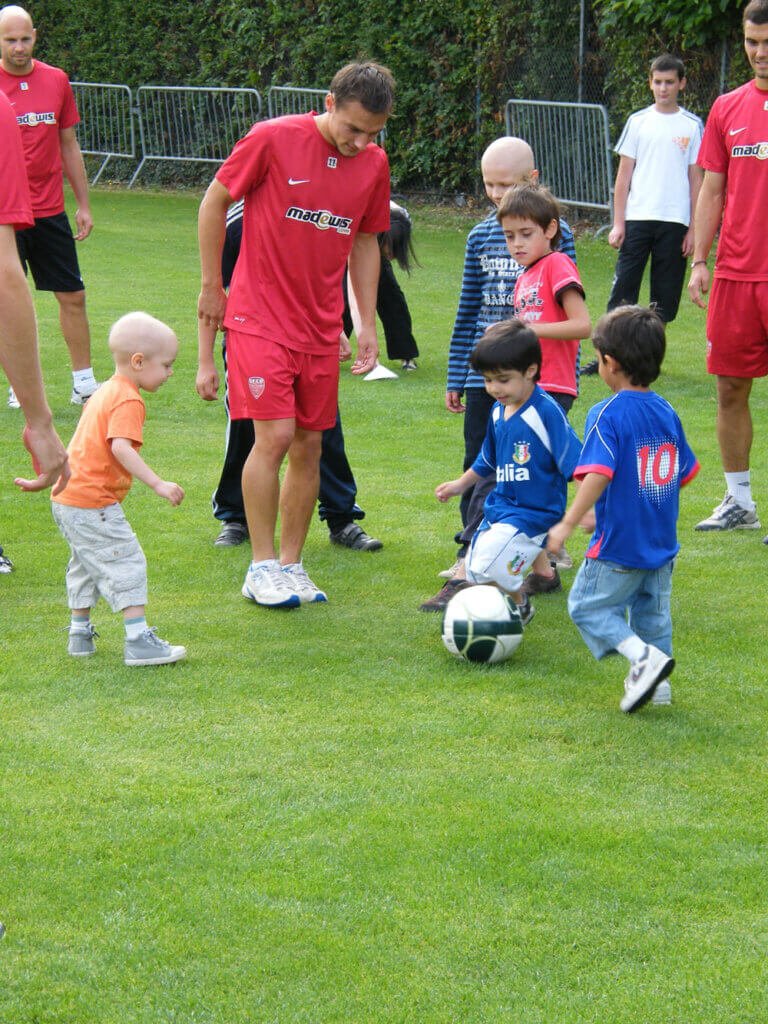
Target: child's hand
x=172, y=492
x=446, y=491
x=557, y=536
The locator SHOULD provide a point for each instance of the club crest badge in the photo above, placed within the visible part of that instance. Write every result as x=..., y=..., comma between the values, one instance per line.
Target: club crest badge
x=256, y=386
x=332, y=162
x=522, y=453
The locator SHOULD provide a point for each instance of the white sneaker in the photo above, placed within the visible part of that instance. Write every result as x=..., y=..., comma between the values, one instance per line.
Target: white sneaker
x=296, y=577
x=562, y=560
x=448, y=574
x=81, y=395
x=13, y=402
x=265, y=584
x=644, y=677
x=730, y=515
x=662, y=695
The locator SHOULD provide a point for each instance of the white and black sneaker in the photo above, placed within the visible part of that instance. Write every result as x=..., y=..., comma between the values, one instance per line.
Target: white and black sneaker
x=644, y=677
x=13, y=402
x=730, y=515
x=81, y=394
x=266, y=584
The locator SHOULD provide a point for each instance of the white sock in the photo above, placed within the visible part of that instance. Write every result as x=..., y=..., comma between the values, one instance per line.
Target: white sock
x=134, y=628
x=80, y=377
x=740, y=488
x=632, y=648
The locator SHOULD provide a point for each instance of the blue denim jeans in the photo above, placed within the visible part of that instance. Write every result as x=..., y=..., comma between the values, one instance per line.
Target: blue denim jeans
x=609, y=603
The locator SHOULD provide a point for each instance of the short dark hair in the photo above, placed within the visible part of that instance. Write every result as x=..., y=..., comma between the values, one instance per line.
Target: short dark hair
x=371, y=85
x=396, y=244
x=668, y=62
x=531, y=202
x=634, y=336
x=507, y=345
x=756, y=11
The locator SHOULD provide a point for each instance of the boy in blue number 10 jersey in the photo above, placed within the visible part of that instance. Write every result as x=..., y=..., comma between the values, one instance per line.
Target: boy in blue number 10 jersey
x=634, y=461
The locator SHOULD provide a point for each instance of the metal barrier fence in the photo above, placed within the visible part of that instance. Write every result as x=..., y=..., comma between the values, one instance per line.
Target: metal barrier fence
x=572, y=148
x=106, y=122
x=291, y=99
x=192, y=124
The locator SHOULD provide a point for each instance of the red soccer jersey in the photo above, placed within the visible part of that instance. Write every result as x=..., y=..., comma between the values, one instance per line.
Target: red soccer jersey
x=304, y=204
x=736, y=144
x=15, y=204
x=44, y=104
x=537, y=300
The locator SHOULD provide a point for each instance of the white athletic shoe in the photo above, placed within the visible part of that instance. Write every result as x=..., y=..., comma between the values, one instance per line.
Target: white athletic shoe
x=450, y=572
x=730, y=515
x=644, y=677
x=81, y=395
x=296, y=577
x=13, y=402
x=662, y=695
x=266, y=584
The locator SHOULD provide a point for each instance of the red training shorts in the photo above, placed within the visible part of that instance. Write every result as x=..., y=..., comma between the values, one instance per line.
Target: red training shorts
x=737, y=329
x=268, y=381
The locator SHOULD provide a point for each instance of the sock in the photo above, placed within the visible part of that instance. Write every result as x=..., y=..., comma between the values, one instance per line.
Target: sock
x=79, y=623
x=632, y=648
x=135, y=627
x=80, y=377
x=740, y=488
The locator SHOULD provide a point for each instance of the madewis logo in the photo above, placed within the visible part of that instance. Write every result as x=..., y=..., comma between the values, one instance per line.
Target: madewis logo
x=323, y=220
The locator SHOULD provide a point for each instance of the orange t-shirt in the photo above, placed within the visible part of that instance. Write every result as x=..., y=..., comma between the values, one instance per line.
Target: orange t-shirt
x=98, y=479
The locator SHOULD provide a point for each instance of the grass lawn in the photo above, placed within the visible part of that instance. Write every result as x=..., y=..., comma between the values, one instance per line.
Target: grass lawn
x=321, y=816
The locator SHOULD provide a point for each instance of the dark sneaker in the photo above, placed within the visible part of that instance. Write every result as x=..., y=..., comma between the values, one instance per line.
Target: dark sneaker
x=81, y=642
x=729, y=515
x=644, y=677
x=442, y=597
x=149, y=649
x=527, y=611
x=354, y=537
x=409, y=364
x=589, y=369
x=231, y=534
x=534, y=583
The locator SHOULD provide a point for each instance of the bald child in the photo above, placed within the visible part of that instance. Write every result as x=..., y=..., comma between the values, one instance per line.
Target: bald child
x=106, y=557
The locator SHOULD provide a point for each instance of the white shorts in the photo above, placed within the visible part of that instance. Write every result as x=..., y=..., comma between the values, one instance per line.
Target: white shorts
x=501, y=554
x=106, y=557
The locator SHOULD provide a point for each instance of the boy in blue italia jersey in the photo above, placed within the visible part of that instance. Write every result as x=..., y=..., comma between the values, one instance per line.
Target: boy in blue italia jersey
x=634, y=461
x=530, y=448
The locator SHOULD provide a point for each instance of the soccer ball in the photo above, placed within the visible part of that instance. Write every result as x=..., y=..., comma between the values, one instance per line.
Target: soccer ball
x=482, y=624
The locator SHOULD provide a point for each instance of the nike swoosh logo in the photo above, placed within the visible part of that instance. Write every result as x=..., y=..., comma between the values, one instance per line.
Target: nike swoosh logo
x=737, y=131
x=298, y=181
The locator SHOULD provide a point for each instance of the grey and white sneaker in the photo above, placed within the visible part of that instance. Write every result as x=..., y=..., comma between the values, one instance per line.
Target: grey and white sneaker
x=149, y=649
x=266, y=584
x=730, y=515
x=644, y=677
x=81, y=643
x=450, y=572
x=13, y=402
x=81, y=395
x=302, y=585
x=527, y=611
x=6, y=565
x=662, y=695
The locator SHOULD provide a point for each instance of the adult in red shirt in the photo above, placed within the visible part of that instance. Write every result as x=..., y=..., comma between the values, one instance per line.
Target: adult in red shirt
x=45, y=109
x=735, y=189
x=18, y=333
x=316, y=192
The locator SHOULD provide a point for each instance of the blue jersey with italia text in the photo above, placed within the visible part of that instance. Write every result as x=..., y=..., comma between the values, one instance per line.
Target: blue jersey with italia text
x=533, y=454
x=636, y=439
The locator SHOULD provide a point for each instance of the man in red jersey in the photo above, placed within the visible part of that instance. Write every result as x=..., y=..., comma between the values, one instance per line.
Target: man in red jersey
x=45, y=109
x=316, y=192
x=733, y=154
x=18, y=336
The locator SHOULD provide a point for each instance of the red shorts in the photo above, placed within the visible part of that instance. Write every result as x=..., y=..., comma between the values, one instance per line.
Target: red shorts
x=267, y=381
x=737, y=328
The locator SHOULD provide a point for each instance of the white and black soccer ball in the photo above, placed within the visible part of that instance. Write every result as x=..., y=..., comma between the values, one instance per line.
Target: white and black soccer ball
x=482, y=624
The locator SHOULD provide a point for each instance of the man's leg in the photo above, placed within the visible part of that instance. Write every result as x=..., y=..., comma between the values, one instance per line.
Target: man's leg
x=298, y=493
x=734, y=422
x=74, y=327
x=261, y=483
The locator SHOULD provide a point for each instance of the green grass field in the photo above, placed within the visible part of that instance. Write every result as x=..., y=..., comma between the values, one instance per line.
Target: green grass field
x=321, y=816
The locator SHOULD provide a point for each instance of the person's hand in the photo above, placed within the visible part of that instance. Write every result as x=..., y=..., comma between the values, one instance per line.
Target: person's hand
x=453, y=402
x=170, y=491
x=49, y=460
x=367, y=351
x=557, y=536
x=84, y=224
x=446, y=491
x=207, y=382
x=688, y=240
x=345, y=349
x=698, y=284
x=616, y=236
x=211, y=304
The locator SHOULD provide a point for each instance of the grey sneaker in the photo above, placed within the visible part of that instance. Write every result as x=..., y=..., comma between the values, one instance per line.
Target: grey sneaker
x=662, y=695
x=81, y=642
x=6, y=565
x=81, y=395
x=231, y=534
x=729, y=515
x=527, y=611
x=296, y=577
x=266, y=584
x=149, y=649
x=644, y=677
